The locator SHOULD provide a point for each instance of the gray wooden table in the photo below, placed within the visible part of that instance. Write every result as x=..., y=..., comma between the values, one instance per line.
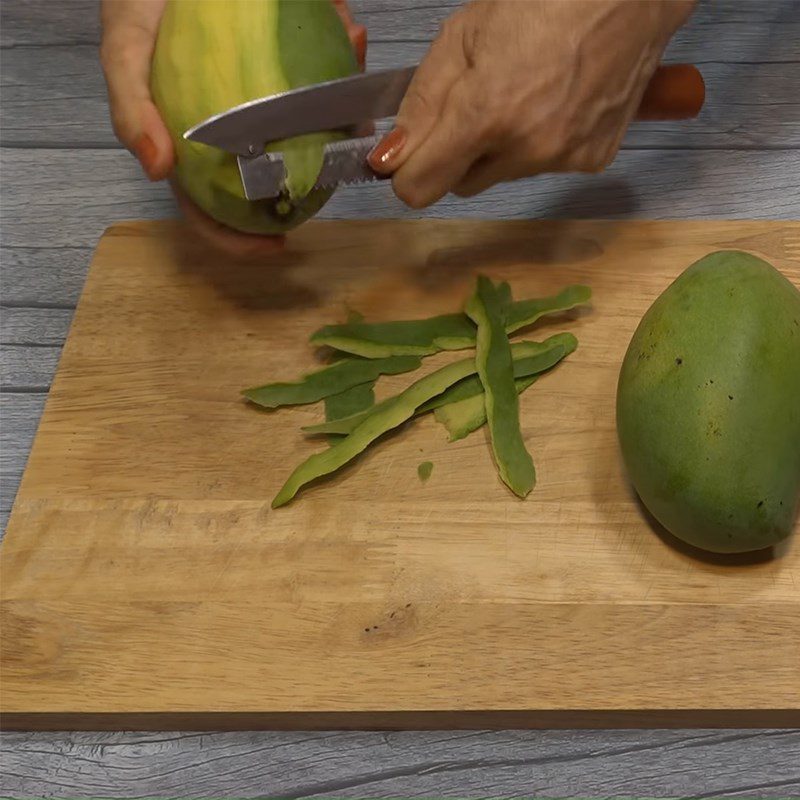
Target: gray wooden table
x=64, y=179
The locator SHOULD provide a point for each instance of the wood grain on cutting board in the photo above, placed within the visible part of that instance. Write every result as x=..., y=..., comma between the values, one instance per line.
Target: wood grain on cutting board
x=145, y=574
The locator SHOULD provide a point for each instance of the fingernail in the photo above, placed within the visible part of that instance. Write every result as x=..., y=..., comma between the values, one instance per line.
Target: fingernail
x=358, y=37
x=382, y=155
x=147, y=154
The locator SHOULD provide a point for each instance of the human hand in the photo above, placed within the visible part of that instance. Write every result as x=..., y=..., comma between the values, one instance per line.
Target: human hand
x=515, y=88
x=130, y=28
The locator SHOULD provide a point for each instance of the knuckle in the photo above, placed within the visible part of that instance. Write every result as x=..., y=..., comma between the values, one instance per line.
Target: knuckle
x=544, y=152
x=590, y=158
x=105, y=54
x=466, y=191
x=418, y=102
x=584, y=162
x=450, y=27
x=111, y=52
x=410, y=194
x=115, y=54
x=485, y=114
x=498, y=125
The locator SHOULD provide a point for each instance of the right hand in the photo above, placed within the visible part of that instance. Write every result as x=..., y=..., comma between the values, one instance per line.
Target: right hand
x=516, y=88
x=130, y=29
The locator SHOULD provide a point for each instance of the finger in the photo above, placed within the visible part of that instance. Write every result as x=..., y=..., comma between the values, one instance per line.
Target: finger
x=221, y=237
x=510, y=166
x=457, y=141
x=484, y=174
x=130, y=28
x=358, y=38
x=591, y=156
x=356, y=32
x=426, y=95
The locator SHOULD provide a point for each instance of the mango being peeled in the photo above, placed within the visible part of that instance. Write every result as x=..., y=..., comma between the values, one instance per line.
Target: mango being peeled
x=708, y=405
x=215, y=54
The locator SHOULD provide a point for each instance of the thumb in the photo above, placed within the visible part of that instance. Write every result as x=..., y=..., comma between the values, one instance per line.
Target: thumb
x=130, y=28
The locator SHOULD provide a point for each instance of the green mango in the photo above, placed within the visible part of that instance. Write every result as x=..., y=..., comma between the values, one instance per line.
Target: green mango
x=708, y=405
x=211, y=55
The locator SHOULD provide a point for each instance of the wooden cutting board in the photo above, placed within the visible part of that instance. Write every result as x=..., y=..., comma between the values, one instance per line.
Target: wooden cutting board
x=147, y=583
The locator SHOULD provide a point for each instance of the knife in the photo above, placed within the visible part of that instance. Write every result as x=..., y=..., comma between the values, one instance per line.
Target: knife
x=675, y=92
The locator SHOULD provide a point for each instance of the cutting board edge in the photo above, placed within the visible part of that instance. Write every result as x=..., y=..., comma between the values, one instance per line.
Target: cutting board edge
x=403, y=720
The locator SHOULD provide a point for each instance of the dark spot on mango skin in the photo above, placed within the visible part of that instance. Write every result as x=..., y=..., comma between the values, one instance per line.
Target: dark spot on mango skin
x=713, y=429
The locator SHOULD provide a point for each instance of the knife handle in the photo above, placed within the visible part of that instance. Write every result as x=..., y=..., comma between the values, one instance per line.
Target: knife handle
x=676, y=91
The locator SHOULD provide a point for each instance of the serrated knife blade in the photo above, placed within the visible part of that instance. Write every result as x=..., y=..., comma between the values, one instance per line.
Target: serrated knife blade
x=343, y=162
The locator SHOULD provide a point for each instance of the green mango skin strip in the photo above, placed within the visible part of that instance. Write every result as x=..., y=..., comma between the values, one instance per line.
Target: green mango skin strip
x=424, y=337
x=352, y=401
x=553, y=350
x=356, y=400
x=526, y=312
x=463, y=417
x=403, y=337
x=390, y=415
x=494, y=364
x=504, y=293
x=424, y=470
x=335, y=379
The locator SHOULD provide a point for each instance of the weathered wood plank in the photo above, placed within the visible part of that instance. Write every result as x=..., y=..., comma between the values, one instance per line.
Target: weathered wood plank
x=67, y=198
x=60, y=193
x=51, y=276
x=20, y=414
x=729, y=31
x=754, y=30
x=34, y=327
x=55, y=96
x=501, y=764
x=43, y=22
x=24, y=367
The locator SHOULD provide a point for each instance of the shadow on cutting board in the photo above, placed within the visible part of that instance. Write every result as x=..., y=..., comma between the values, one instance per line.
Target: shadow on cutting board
x=677, y=545
x=706, y=557
x=257, y=284
x=552, y=245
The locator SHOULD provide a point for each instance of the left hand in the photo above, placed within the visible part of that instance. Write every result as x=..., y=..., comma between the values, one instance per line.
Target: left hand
x=130, y=29
x=514, y=88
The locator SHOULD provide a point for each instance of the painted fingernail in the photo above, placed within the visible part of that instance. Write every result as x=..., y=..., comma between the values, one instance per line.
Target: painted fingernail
x=146, y=152
x=382, y=155
x=358, y=38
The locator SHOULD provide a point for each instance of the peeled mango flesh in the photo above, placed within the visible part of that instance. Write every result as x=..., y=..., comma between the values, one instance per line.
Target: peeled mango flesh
x=708, y=405
x=214, y=54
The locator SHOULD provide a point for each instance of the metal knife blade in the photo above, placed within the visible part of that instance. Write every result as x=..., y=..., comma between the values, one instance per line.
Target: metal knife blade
x=344, y=162
x=343, y=103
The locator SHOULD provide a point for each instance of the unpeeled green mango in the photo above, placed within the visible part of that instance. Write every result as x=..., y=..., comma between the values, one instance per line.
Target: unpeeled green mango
x=214, y=54
x=708, y=405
